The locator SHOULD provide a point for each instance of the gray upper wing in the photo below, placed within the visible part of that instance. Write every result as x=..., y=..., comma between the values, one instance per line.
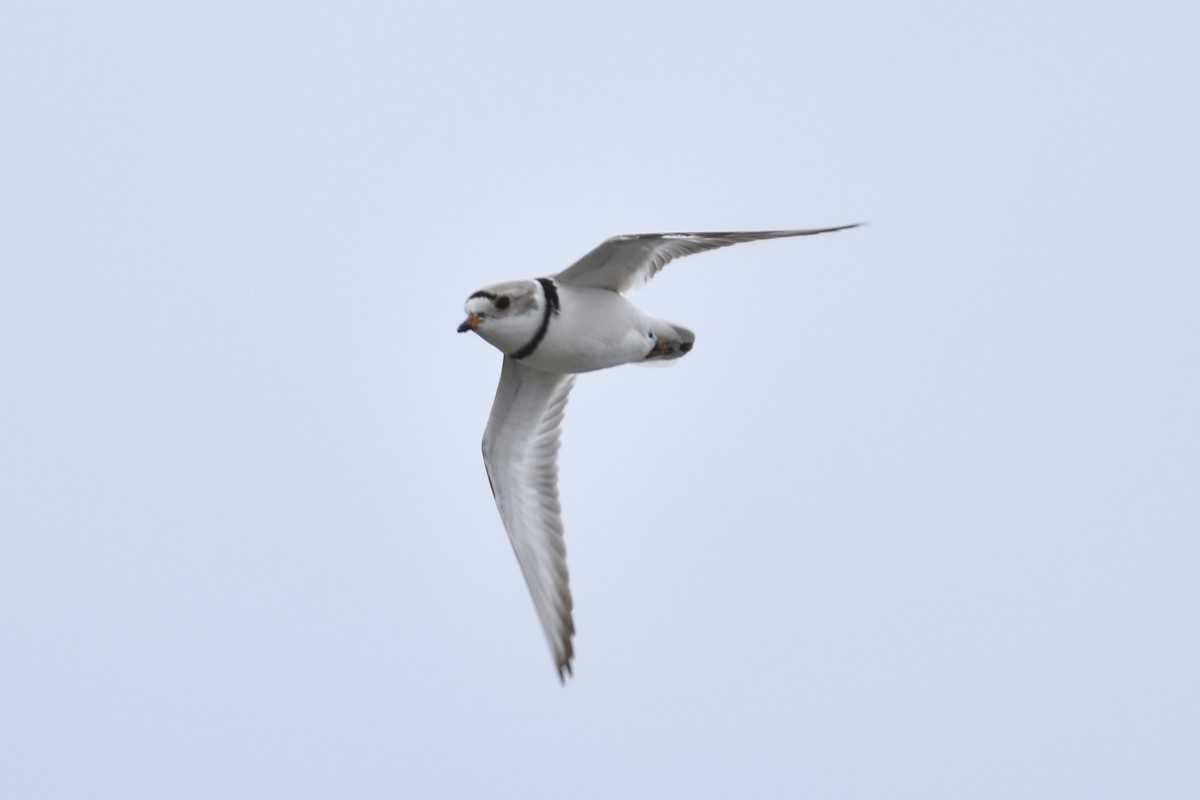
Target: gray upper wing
x=624, y=263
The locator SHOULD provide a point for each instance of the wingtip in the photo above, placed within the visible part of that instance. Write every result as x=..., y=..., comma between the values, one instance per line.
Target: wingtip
x=843, y=227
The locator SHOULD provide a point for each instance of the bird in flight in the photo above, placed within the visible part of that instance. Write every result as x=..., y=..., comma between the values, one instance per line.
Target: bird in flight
x=549, y=330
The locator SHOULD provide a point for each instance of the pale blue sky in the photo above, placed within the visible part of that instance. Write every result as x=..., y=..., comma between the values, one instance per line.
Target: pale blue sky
x=917, y=518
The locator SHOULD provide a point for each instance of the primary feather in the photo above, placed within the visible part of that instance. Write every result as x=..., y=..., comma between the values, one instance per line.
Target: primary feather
x=623, y=263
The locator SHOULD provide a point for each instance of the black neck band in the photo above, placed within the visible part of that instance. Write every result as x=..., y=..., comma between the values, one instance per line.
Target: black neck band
x=551, y=293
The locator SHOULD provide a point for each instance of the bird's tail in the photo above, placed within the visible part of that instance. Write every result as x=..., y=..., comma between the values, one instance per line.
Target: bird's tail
x=674, y=341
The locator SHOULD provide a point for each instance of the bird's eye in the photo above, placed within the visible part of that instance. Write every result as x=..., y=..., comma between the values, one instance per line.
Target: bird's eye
x=502, y=301
x=653, y=336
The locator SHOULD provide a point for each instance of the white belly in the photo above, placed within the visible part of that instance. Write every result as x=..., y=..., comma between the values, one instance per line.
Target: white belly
x=594, y=329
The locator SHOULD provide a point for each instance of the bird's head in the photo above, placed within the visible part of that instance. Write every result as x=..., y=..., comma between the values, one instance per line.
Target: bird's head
x=506, y=315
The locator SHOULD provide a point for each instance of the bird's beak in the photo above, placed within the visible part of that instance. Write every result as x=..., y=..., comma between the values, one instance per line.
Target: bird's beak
x=470, y=323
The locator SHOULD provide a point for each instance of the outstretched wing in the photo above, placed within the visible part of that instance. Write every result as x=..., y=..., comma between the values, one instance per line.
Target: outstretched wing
x=624, y=263
x=520, y=451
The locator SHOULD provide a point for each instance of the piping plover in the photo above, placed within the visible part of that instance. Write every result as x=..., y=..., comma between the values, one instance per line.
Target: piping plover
x=550, y=329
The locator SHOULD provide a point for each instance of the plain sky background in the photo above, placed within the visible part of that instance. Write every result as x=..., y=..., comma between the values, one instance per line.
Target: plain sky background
x=917, y=518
